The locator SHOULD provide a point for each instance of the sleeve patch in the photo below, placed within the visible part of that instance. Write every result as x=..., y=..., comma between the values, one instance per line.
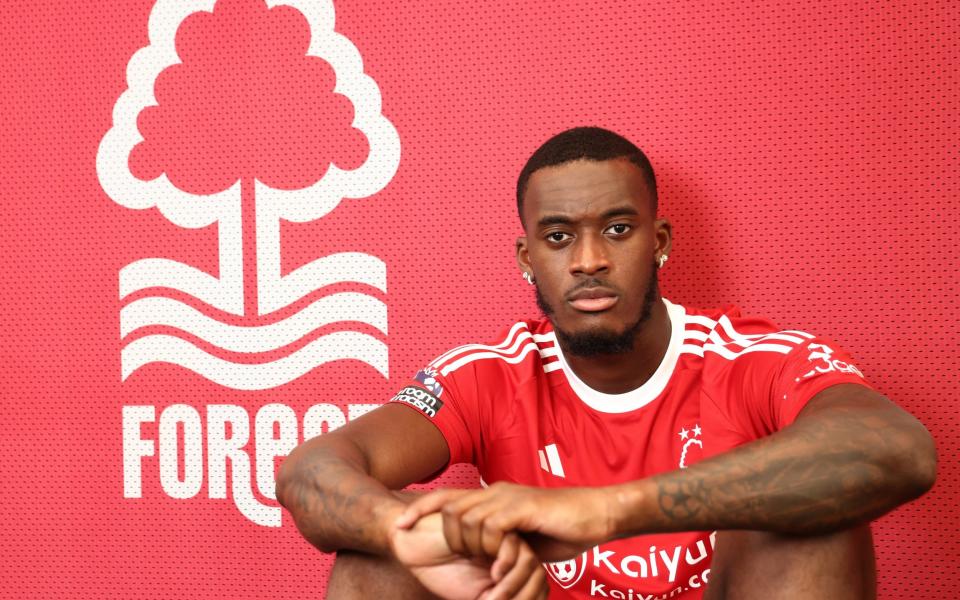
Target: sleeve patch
x=428, y=378
x=420, y=399
x=822, y=361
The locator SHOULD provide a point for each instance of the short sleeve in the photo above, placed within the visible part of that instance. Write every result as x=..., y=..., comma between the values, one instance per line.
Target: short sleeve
x=808, y=370
x=450, y=403
x=759, y=393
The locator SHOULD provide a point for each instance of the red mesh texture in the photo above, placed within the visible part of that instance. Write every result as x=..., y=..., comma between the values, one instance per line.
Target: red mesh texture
x=806, y=154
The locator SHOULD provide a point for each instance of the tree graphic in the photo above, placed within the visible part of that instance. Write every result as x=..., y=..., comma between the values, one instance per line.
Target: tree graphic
x=247, y=103
x=244, y=114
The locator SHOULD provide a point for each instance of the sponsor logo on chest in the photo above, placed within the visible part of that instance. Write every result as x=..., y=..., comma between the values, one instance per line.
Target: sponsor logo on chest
x=615, y=574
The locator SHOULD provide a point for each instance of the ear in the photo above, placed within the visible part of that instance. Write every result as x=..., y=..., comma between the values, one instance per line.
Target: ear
x=523, y=255
x=663, y=234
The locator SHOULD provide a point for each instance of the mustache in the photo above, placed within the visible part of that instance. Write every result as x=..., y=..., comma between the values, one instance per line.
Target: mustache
x=593, y=282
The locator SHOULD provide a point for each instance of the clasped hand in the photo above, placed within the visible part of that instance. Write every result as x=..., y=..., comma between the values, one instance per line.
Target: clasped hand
x=489, y=543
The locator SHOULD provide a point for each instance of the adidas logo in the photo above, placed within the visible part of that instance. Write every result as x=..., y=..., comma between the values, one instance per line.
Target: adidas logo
x=550, y=460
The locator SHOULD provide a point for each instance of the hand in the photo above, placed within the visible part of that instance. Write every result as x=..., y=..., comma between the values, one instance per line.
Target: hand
x=558, y=523
x=517, y=572
x=423, y=549
x=514, y=573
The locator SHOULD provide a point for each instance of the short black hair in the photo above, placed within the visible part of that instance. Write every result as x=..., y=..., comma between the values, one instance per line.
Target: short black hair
x=589, y=143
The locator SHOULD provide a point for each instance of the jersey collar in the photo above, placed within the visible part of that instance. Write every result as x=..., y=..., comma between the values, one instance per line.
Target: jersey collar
x=646, y=393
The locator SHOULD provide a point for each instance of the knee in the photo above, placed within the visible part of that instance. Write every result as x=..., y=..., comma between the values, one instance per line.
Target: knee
x=751, y=564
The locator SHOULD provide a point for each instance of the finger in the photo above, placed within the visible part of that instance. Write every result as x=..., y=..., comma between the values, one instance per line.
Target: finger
x=544, y=587
x=505, y=513
x=536, y=587
x=479, y=538
x=518, y=578
x=460, y=523
x=424, y=505
x=452, y=530
x=491, y=537
x=506, y=556
x=470, y=523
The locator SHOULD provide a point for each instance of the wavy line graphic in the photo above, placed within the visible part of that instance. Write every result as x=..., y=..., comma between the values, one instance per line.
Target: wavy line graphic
x=340, y=345
x=345, y=306
x=354, y=267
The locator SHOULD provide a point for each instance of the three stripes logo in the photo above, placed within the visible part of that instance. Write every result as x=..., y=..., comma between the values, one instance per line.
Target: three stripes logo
x=550, y=460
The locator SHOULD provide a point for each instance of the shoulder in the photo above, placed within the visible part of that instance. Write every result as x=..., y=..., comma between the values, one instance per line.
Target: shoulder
x=726, y=339
x=758, y=375
x=518, y=348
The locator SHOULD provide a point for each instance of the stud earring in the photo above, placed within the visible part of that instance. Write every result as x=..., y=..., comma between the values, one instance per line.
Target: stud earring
x=660, y=261
x=528, y=278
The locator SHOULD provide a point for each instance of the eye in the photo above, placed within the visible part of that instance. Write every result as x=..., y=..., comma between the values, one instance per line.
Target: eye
x=558, y=237
x=618, y=229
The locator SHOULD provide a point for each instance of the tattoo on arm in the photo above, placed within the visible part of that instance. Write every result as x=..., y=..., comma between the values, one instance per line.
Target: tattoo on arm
x=835, y=469
x=336, y=504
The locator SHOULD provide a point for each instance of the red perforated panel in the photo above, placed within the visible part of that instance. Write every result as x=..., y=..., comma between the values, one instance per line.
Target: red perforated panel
x=806, y=154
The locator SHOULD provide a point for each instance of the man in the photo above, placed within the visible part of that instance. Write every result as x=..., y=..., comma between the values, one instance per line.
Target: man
x=616, y=435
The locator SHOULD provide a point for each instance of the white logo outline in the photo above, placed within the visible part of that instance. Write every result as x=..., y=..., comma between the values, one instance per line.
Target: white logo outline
x=553, y=569
x=691, y=438
x=275, y=291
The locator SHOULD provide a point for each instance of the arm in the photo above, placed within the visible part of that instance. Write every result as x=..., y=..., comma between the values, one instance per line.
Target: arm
x=338, y=488
x=337, y=485
x=850, y=456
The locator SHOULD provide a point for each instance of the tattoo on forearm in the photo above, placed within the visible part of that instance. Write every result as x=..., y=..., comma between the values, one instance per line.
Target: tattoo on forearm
x=334, y=504
x=813, y=477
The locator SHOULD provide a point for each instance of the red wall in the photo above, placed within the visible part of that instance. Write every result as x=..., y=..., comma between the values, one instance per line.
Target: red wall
x=806, y=154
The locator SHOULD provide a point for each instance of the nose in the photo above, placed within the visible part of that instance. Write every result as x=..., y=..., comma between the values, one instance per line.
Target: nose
x=589, y=255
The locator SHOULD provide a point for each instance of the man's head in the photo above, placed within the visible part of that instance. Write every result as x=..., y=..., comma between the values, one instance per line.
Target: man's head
x=587, y=143
x=587, y=200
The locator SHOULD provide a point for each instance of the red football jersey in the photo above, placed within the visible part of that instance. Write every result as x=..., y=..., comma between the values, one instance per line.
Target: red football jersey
x=519, y=413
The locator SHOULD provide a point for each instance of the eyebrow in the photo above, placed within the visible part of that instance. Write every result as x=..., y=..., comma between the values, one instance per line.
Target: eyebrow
x=620, y=211
x=553, y=220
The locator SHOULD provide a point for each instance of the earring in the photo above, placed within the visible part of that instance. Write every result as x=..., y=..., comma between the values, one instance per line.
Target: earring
x=528, y=278
x=660, y=261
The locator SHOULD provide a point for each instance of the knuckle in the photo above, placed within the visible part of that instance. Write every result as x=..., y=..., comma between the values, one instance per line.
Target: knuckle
x=497, y=521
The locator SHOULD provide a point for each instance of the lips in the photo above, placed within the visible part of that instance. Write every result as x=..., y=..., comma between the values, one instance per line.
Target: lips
x=593, y=299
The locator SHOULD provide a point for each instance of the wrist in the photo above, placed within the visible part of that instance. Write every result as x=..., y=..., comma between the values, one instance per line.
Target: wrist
x=626, y=507
x=385, y=515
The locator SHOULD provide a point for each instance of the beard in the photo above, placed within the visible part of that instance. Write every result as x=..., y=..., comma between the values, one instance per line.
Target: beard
x=598, y=342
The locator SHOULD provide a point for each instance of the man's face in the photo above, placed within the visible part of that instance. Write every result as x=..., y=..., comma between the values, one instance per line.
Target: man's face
x=592, y=241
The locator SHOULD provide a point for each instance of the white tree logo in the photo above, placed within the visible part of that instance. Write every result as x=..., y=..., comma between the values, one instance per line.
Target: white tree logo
x=692, y=450
x=226, y=292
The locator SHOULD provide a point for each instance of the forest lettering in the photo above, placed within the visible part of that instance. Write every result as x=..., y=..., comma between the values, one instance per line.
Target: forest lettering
x=189, y=446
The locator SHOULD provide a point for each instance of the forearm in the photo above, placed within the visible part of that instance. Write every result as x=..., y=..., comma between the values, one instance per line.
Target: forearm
x=818, y=475
x=334, y=501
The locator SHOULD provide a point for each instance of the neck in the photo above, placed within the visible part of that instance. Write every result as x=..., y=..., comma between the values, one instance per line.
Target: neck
x=620, y=373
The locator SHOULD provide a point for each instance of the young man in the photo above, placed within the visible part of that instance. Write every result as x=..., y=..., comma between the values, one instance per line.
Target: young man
x=616, y=436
